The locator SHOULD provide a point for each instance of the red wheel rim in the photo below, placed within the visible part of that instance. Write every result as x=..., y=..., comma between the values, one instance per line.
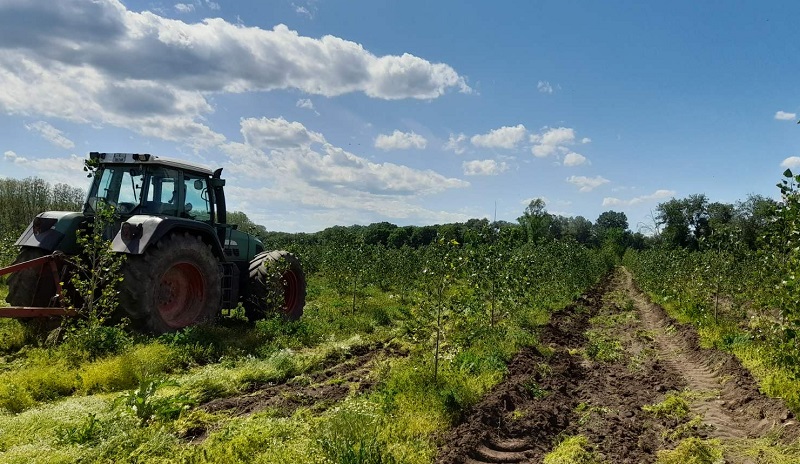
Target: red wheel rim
x=181, y=295
x=290, y=284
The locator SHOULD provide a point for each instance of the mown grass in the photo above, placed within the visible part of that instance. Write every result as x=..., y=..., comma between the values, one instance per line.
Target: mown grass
x=70, y=402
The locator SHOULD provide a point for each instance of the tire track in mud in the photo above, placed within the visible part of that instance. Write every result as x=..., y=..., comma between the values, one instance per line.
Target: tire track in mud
x=554, y=392
x=729, y=401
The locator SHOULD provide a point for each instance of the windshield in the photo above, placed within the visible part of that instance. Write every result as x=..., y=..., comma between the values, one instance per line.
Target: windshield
x=120, y=186
x=157, y=190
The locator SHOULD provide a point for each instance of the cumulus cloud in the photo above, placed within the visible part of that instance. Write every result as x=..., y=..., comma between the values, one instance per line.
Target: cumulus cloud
x=184, y=7
x=587, y=184
x=305, y=103
x=287, y=154
x=657, y=195
x=487, y=167
x=400, y=141
x=98, y=62
x=55, y=170
x=575, y=159
x=792, y=162
x=504, y=137
x=456, y=144
x=586, y=140
x=51, y=134
x=551, y=141
x=784, y=116
x=544, y=87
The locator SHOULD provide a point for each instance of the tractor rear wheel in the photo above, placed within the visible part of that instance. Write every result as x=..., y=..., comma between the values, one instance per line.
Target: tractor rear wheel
x=277, y=285
x=174, y=284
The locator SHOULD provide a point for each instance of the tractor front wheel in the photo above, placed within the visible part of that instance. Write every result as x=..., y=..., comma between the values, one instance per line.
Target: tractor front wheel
x=277, y=285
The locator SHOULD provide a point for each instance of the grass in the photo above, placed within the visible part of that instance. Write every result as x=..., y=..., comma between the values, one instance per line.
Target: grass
x=674, y=406
x=73, y=403
x=693, y=451
x=572, y=450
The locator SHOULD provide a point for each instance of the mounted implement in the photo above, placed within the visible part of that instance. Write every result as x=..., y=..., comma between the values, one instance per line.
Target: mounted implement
x=184, y=262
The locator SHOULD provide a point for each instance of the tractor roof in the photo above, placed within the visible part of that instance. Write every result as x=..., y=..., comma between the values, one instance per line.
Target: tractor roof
x=146, y=158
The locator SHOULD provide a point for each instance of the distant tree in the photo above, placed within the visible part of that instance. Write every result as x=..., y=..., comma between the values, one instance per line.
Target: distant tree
x=535, y=220
x=579, y=228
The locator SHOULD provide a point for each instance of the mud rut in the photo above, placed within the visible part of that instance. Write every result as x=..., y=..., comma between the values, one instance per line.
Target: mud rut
x=557, y=392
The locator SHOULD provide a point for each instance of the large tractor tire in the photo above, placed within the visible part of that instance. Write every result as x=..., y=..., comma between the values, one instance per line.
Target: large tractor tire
x=277, y=285
x=34, y=286
x=174, y=284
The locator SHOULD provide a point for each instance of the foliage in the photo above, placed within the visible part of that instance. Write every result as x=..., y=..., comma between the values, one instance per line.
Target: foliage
x=148, y=407
x=674, y=406
x=351, y=436
x=94, y=281
x=692, y=451
x=572, y=450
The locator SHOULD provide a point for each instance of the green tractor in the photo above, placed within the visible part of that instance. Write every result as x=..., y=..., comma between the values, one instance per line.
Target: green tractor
x=184, y=262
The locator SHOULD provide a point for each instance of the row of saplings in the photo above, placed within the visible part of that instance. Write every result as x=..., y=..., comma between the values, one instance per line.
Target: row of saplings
x=177, y=283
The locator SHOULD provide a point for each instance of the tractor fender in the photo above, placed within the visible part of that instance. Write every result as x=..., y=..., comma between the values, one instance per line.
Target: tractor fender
x=150, y=229
x=56, y=231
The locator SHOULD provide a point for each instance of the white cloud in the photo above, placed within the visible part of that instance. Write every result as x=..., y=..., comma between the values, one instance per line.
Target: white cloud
x=302, y=10
x=586, y=140
x=212, y=5
x=504, y=137
x=98, y=62
x=487, y=167
x=587, y=184
x=657, y=195
x=456, y=144
x=275, y=133
x=551, y=141
x=184, y=7
x=400, y=141
x=544, y=87
x=791, y=162
x=54, y=170
x=305, y=103
x=51, y=134
x=784, y=116
x=575, y=159
x=284, y=154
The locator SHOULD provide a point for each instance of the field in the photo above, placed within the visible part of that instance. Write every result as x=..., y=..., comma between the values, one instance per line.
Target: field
x=462, y=343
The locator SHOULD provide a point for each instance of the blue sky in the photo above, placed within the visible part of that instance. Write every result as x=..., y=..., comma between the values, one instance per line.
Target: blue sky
x=342, y=112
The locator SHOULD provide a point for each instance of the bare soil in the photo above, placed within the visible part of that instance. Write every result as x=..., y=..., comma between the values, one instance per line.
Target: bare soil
x=557, y=391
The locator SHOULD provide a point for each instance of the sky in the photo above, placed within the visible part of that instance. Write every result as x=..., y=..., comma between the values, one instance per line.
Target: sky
x=330, y=113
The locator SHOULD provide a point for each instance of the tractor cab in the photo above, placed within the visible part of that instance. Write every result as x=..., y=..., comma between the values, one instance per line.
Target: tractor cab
x=144, y=184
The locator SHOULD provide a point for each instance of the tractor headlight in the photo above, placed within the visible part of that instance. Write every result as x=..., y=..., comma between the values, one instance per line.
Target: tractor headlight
x=41, y=224
x=130, y=232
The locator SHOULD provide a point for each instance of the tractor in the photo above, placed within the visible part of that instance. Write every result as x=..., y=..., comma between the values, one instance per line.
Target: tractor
x=184, y=262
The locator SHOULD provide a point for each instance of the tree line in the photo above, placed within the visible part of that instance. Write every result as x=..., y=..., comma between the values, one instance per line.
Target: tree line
x=22, y=199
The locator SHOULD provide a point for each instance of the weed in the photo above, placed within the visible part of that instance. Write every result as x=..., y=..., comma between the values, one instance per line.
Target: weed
x=350, y=436
x=585, y=412
x=692, y=451
x=572, y=450
x=147, y=407
x=534, y=389
x=674, y=406
x=86, y=432
x=602, y=347
x=688, y=429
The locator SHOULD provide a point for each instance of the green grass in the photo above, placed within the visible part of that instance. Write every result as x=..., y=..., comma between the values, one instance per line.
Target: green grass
x=674, y=406
x=572, y=450
x=693, y=451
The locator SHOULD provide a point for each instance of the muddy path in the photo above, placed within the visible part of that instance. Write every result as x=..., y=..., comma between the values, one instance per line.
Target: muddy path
x=602, y=363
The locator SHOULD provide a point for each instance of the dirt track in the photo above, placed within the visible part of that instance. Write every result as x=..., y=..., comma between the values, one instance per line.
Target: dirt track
x=560, y=392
